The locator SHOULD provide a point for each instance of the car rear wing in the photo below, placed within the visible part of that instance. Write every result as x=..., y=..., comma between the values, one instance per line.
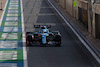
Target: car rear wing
x=38, y=26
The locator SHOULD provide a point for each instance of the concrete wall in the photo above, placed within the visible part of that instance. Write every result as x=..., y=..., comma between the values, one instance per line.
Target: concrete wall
x=97, y=8
x=69, y=7
x=83, y=13
x=83, y=4
x=96, y=23
x=62, y=3
x=57, y=1
x=74, y=12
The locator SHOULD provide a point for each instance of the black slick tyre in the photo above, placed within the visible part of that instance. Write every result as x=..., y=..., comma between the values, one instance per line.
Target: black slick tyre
x=29, y=40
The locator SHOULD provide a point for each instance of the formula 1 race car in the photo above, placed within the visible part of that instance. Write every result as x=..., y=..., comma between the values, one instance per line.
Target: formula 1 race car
x=43, y=36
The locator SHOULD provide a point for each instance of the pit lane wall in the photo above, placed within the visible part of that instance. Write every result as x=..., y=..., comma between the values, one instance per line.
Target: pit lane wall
x=81, y=12
x=86, y=9
x=11, y=40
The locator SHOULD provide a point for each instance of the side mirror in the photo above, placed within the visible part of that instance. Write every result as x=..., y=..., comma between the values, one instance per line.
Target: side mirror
x=48, y=26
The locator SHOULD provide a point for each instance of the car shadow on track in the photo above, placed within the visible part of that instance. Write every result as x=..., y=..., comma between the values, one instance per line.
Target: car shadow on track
x=43, y=46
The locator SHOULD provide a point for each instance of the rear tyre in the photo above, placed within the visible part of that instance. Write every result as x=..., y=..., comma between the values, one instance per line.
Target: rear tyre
x=29, y=40
x=58, y=40
x=37, y=37
x=58, y=44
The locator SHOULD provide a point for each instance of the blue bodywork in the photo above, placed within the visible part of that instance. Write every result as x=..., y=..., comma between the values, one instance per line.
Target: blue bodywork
x=44, y=33
x=43, y=36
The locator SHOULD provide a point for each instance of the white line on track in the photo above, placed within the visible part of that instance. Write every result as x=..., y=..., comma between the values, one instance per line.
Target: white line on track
x=24, y=45
x=84, y=43
x=24, y=38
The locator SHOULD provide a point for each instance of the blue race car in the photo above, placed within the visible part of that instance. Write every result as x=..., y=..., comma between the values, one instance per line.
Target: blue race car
x=43, y=36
